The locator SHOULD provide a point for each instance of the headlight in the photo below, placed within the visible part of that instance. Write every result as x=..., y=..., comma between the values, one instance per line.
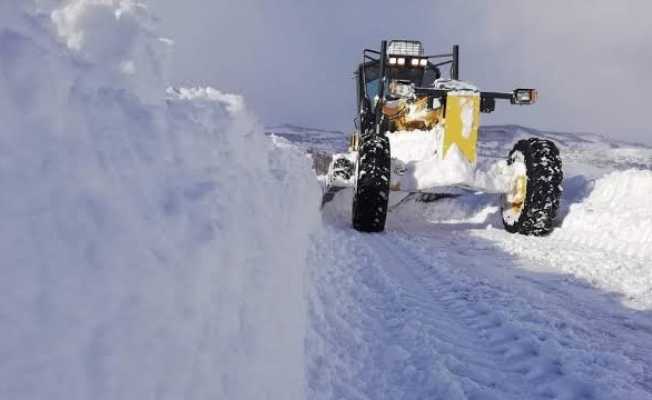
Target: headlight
x=392, y=60
x=423, y=62
x=415, y=62
x=401, y=61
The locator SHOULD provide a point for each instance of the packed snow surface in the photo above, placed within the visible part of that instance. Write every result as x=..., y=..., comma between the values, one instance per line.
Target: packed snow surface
x=140, y=249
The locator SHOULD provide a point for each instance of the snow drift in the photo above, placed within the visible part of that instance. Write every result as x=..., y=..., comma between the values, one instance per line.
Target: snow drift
x=139, y=245
x=615, y=214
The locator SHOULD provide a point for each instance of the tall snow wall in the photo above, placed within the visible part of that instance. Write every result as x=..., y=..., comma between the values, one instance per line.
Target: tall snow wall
x=152, y=244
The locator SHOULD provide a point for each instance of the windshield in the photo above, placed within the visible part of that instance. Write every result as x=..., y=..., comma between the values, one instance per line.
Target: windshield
x=430, y=76
x=370, y=85
x=414, y=75
x=373, y=88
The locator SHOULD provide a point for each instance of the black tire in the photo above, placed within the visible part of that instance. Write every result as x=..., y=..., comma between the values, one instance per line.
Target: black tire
x=543, y=190
x=371, y=192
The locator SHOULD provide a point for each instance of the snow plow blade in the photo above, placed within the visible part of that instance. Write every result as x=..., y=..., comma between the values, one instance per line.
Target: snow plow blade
x=462, y=121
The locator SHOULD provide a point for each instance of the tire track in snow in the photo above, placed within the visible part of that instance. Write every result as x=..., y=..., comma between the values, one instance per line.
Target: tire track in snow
x=434, y=311
x=483, y=344
x=489, y=356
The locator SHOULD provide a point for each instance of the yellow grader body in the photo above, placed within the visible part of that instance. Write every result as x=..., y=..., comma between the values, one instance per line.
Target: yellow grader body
x=459, y=117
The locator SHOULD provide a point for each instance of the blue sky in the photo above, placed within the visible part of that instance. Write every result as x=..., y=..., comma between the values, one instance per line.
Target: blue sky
x=293, y=60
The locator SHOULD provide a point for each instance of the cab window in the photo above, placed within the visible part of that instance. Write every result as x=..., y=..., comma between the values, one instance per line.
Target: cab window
x=373, y=88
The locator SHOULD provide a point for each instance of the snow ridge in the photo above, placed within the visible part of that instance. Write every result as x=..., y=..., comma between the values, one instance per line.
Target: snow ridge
x=616, y=214
x=140, y=250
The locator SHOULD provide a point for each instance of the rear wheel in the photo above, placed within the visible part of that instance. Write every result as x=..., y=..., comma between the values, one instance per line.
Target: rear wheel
x=532, y=206
x=371, y=191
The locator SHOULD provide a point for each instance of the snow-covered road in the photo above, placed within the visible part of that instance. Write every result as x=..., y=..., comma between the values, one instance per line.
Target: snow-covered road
x=447, y=305
x=444, y=314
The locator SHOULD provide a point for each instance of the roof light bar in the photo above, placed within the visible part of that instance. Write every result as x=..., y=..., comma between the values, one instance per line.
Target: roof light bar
x=405, y=48
x=413, y=61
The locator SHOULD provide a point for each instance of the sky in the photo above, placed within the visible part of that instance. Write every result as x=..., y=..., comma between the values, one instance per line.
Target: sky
x=293, y=60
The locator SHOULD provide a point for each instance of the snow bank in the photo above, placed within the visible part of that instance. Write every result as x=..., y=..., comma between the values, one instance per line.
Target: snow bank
x=604, y=238
x=616, y=214
x=150, y=247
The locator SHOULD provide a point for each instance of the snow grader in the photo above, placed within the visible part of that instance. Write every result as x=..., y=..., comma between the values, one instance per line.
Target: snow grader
x=417, y=132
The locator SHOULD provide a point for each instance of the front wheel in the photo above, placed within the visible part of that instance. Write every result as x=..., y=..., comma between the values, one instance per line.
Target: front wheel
x=532, y=205
x=371, y=192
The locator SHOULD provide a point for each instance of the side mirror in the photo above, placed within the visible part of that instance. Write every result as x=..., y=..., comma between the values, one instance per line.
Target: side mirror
x=524, y=96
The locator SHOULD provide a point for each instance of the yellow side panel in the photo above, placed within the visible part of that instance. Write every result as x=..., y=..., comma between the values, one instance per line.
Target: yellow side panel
x=462, y=122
